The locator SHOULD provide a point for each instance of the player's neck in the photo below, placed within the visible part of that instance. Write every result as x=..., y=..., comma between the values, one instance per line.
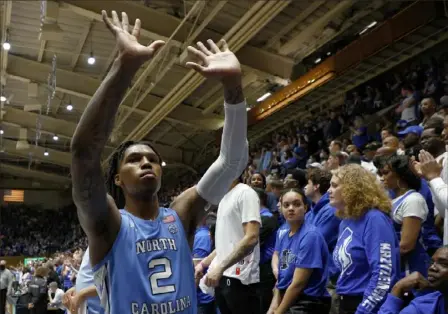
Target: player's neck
x=294, y=227
x=144, y=208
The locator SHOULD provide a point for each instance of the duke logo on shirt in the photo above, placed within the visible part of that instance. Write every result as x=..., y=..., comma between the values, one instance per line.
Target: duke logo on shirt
x=341, y=257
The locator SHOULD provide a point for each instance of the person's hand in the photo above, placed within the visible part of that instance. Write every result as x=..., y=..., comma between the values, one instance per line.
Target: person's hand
x=198, y=273
x=129, y=49
x=219, y=63
x=75, y=302
x=415, y=167
x=214, y=276
x=66, y=299
x=413, y=281
x=429, y=167
x=30, y=305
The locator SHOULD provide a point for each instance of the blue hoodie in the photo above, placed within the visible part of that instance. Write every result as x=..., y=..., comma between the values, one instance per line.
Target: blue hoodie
x=368, y=256
x=429, y=303
x=322, y=215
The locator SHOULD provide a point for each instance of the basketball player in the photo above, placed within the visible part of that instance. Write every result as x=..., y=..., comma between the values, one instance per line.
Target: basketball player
x=140, y=256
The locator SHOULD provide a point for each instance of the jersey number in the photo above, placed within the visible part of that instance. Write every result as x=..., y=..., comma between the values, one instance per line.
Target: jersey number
x=165, y=274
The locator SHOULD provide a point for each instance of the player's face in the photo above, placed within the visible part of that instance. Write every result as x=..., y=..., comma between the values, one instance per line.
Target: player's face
x=140, y=171
x=293, y=207
x=256, y=181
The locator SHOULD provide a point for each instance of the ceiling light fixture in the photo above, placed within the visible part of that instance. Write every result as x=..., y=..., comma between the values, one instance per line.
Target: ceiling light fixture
x=69, y=107
x=91, y=60
x=1, y=131
x=264, y=97
x=318, y=60
x=163, y=164
x=55, y=137
x=46, y=153
x=2, y=98
x=6, y=45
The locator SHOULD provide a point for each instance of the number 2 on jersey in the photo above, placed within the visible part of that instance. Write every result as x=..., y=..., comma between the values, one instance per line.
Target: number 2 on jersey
x=165, y=274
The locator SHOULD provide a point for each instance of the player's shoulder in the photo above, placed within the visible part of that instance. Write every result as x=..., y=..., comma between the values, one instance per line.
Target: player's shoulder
x=414, y=197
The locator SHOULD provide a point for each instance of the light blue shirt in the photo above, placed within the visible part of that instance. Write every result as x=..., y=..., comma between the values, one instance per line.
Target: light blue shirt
x=84, y=279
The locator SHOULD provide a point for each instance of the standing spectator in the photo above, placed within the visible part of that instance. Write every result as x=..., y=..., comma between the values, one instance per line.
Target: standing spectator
x=55, y=296
x=6, y=279
x=234, y=264
x=409, y=105
x=367, y=251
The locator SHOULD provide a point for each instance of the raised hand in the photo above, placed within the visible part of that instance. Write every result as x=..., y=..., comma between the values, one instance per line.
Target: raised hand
x=215, y=62
x=129, y=49
x=429, y=167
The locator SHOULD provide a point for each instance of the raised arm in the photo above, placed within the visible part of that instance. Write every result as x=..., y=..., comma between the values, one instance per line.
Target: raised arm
x=97, y=212
x=222, y=64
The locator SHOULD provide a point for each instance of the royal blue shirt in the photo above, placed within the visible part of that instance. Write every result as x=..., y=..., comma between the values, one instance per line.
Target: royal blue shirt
x=268, y=247
x=367, y=255
x=429, y=303
x=149, y=268
x=304, y=249
x=322, y=215
x=202, y=248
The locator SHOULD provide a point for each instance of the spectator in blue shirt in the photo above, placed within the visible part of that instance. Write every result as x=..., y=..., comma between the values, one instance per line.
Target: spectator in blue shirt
x=433, y=292
x=302, y=262
x=367, y=251
x=202, y=247
x=268, y=231
x=322, y=214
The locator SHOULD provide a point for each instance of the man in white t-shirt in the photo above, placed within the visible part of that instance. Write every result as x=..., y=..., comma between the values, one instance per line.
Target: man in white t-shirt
x=407, y=108
x=234, y=264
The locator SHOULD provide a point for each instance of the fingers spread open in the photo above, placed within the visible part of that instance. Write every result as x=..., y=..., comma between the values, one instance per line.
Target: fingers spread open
x=197, y=67
x=115, y=19
x=136, y=30
x=125, y=22
x=199, y=55
x=224, y=46
x=213, y=47
x=107, y=21
x=204, y=49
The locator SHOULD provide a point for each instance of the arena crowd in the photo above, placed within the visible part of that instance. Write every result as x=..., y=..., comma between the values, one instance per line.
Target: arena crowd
x=343, y=214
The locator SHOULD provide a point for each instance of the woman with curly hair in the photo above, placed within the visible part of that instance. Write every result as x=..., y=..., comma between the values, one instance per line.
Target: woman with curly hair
x=367, y=251
x=409, y=211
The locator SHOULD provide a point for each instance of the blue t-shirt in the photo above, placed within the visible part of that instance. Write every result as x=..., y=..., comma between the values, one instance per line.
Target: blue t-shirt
x=84, y=279
x=362, y=139
x=304, y=249
x=268, y=247
x=429, y=302
x=272, y=202
x=149, y=268
x=202, y=247
x=322, y=215
x=367, y=254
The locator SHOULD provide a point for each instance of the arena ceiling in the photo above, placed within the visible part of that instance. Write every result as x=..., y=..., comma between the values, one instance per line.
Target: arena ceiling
x=170, y=105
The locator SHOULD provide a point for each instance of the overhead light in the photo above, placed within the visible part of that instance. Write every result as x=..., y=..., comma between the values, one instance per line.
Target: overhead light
x=46, y=153
x=163, y=164
x=329, y=53
x=91, y=60
x=264, y=97
x=372, y=24
x=6, y=45
x=69, y=107
x=2, y=98
x=55, y=137
x=318, y=60
x=1, y=131
x=248, y=108
x=363, y=31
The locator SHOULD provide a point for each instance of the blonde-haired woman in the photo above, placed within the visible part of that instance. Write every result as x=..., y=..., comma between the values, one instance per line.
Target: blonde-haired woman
x=367, y=251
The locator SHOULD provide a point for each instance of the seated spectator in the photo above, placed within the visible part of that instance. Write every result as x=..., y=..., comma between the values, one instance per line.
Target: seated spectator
x=432, y=294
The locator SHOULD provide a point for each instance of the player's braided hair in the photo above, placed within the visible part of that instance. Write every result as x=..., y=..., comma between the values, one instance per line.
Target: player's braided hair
x=114, y=162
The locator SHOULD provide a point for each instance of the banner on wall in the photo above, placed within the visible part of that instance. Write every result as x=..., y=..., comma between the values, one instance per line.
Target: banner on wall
x=27, y=261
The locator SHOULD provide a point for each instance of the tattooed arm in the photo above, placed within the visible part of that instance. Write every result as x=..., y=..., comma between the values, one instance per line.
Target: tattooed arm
x=97, y=212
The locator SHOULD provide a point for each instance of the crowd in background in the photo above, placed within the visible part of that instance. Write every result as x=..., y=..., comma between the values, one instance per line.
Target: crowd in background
x=35, y=232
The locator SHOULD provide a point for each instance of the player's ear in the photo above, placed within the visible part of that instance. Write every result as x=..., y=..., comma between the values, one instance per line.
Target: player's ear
x=117, y=180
